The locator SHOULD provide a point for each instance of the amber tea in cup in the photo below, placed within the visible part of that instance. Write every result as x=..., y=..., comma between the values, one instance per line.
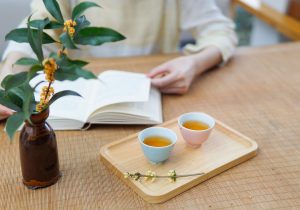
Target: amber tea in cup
x=157, y=141
x=195, y=125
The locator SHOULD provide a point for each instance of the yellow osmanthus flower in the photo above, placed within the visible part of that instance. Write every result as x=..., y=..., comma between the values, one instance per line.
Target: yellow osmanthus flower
x=50, y=67
x=151, y=175
x=172, y=176
x=44, y=98
x=69, y=26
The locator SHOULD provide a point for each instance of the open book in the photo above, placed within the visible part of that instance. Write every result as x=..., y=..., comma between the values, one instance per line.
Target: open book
x=117, y=97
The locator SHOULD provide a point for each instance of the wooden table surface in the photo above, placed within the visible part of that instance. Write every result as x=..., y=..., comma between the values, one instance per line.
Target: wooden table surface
x=257, y=93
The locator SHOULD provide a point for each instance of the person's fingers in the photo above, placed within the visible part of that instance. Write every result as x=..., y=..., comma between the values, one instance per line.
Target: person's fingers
x=174, y=90
x=4, y=109
x=2, y=117
x=5, y=112
x=164, y=81
x=159, y=70
x=175, y=84
x=177, y=87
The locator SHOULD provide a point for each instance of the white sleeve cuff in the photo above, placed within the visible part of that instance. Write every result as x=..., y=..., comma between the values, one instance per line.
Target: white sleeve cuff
x=217, y=39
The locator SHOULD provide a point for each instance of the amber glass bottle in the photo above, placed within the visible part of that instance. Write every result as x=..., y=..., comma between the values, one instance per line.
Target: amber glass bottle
x=38, y=152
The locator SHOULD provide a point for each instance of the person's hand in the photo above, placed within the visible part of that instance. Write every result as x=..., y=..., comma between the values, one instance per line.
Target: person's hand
x=5, y=112
x=174, y=76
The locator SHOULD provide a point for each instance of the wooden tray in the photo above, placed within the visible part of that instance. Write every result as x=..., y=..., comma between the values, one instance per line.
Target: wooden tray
x=224, y=149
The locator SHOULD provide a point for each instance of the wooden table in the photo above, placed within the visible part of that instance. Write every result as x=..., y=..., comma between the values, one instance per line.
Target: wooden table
x=257, y=93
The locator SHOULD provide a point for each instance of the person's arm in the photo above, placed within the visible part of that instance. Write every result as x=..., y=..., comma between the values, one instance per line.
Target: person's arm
x=215, y=43
x=176, y=76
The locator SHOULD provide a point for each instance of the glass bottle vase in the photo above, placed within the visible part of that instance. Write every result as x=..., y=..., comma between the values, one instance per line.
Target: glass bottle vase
x=38, y=152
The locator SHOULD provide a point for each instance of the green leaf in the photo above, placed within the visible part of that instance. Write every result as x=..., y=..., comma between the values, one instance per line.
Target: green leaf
x=54, y=25
x=20, y=35
x=15, y=94
x=29, y=103
x=81, y=22
x=97, y=36
x=54, y=9
x=6, y=80
x=80, y=8
x=5, y=101
x=67, y=41
x=19, y=93
x=36, y=68
x=53, y=55
x=15, y=97
x=37, y=84
x=13, y=123
x=62, y=94
x=72, y=73
x=69, y=62
x=63, y=61
x=16, y=80
x=50, y=25
x=39, y=24
x=32, y=73
x=27, y=61
x=35, y=41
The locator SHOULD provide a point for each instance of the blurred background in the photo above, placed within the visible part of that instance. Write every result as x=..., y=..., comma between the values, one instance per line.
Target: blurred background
x=258, y=22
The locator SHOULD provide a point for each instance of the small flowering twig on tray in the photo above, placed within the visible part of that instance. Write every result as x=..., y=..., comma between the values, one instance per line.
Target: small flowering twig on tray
x=151, y=175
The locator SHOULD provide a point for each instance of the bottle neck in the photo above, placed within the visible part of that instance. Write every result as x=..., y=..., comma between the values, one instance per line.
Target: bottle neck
x=38, y=118
x=34, y=124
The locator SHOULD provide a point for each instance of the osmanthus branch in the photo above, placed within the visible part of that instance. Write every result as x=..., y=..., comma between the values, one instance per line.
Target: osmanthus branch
x=151, y=175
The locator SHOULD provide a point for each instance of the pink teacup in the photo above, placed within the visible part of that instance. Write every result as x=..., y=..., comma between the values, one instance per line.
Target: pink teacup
x=195, y=138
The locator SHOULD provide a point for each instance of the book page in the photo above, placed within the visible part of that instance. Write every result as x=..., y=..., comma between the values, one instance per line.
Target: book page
x=149, y=112
x=69, y=107
x=111, y=87
x=120, y=87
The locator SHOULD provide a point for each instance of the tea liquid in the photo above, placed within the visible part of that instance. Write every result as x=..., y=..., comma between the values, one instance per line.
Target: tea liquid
x=157, y=141
x=195, y=125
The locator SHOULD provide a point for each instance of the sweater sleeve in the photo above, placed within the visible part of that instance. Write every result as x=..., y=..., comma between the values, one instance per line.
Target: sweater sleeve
x=38, y=11
x=208, y=26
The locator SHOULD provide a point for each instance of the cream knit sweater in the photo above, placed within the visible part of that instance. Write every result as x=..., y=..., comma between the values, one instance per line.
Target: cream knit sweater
x=151, y=26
